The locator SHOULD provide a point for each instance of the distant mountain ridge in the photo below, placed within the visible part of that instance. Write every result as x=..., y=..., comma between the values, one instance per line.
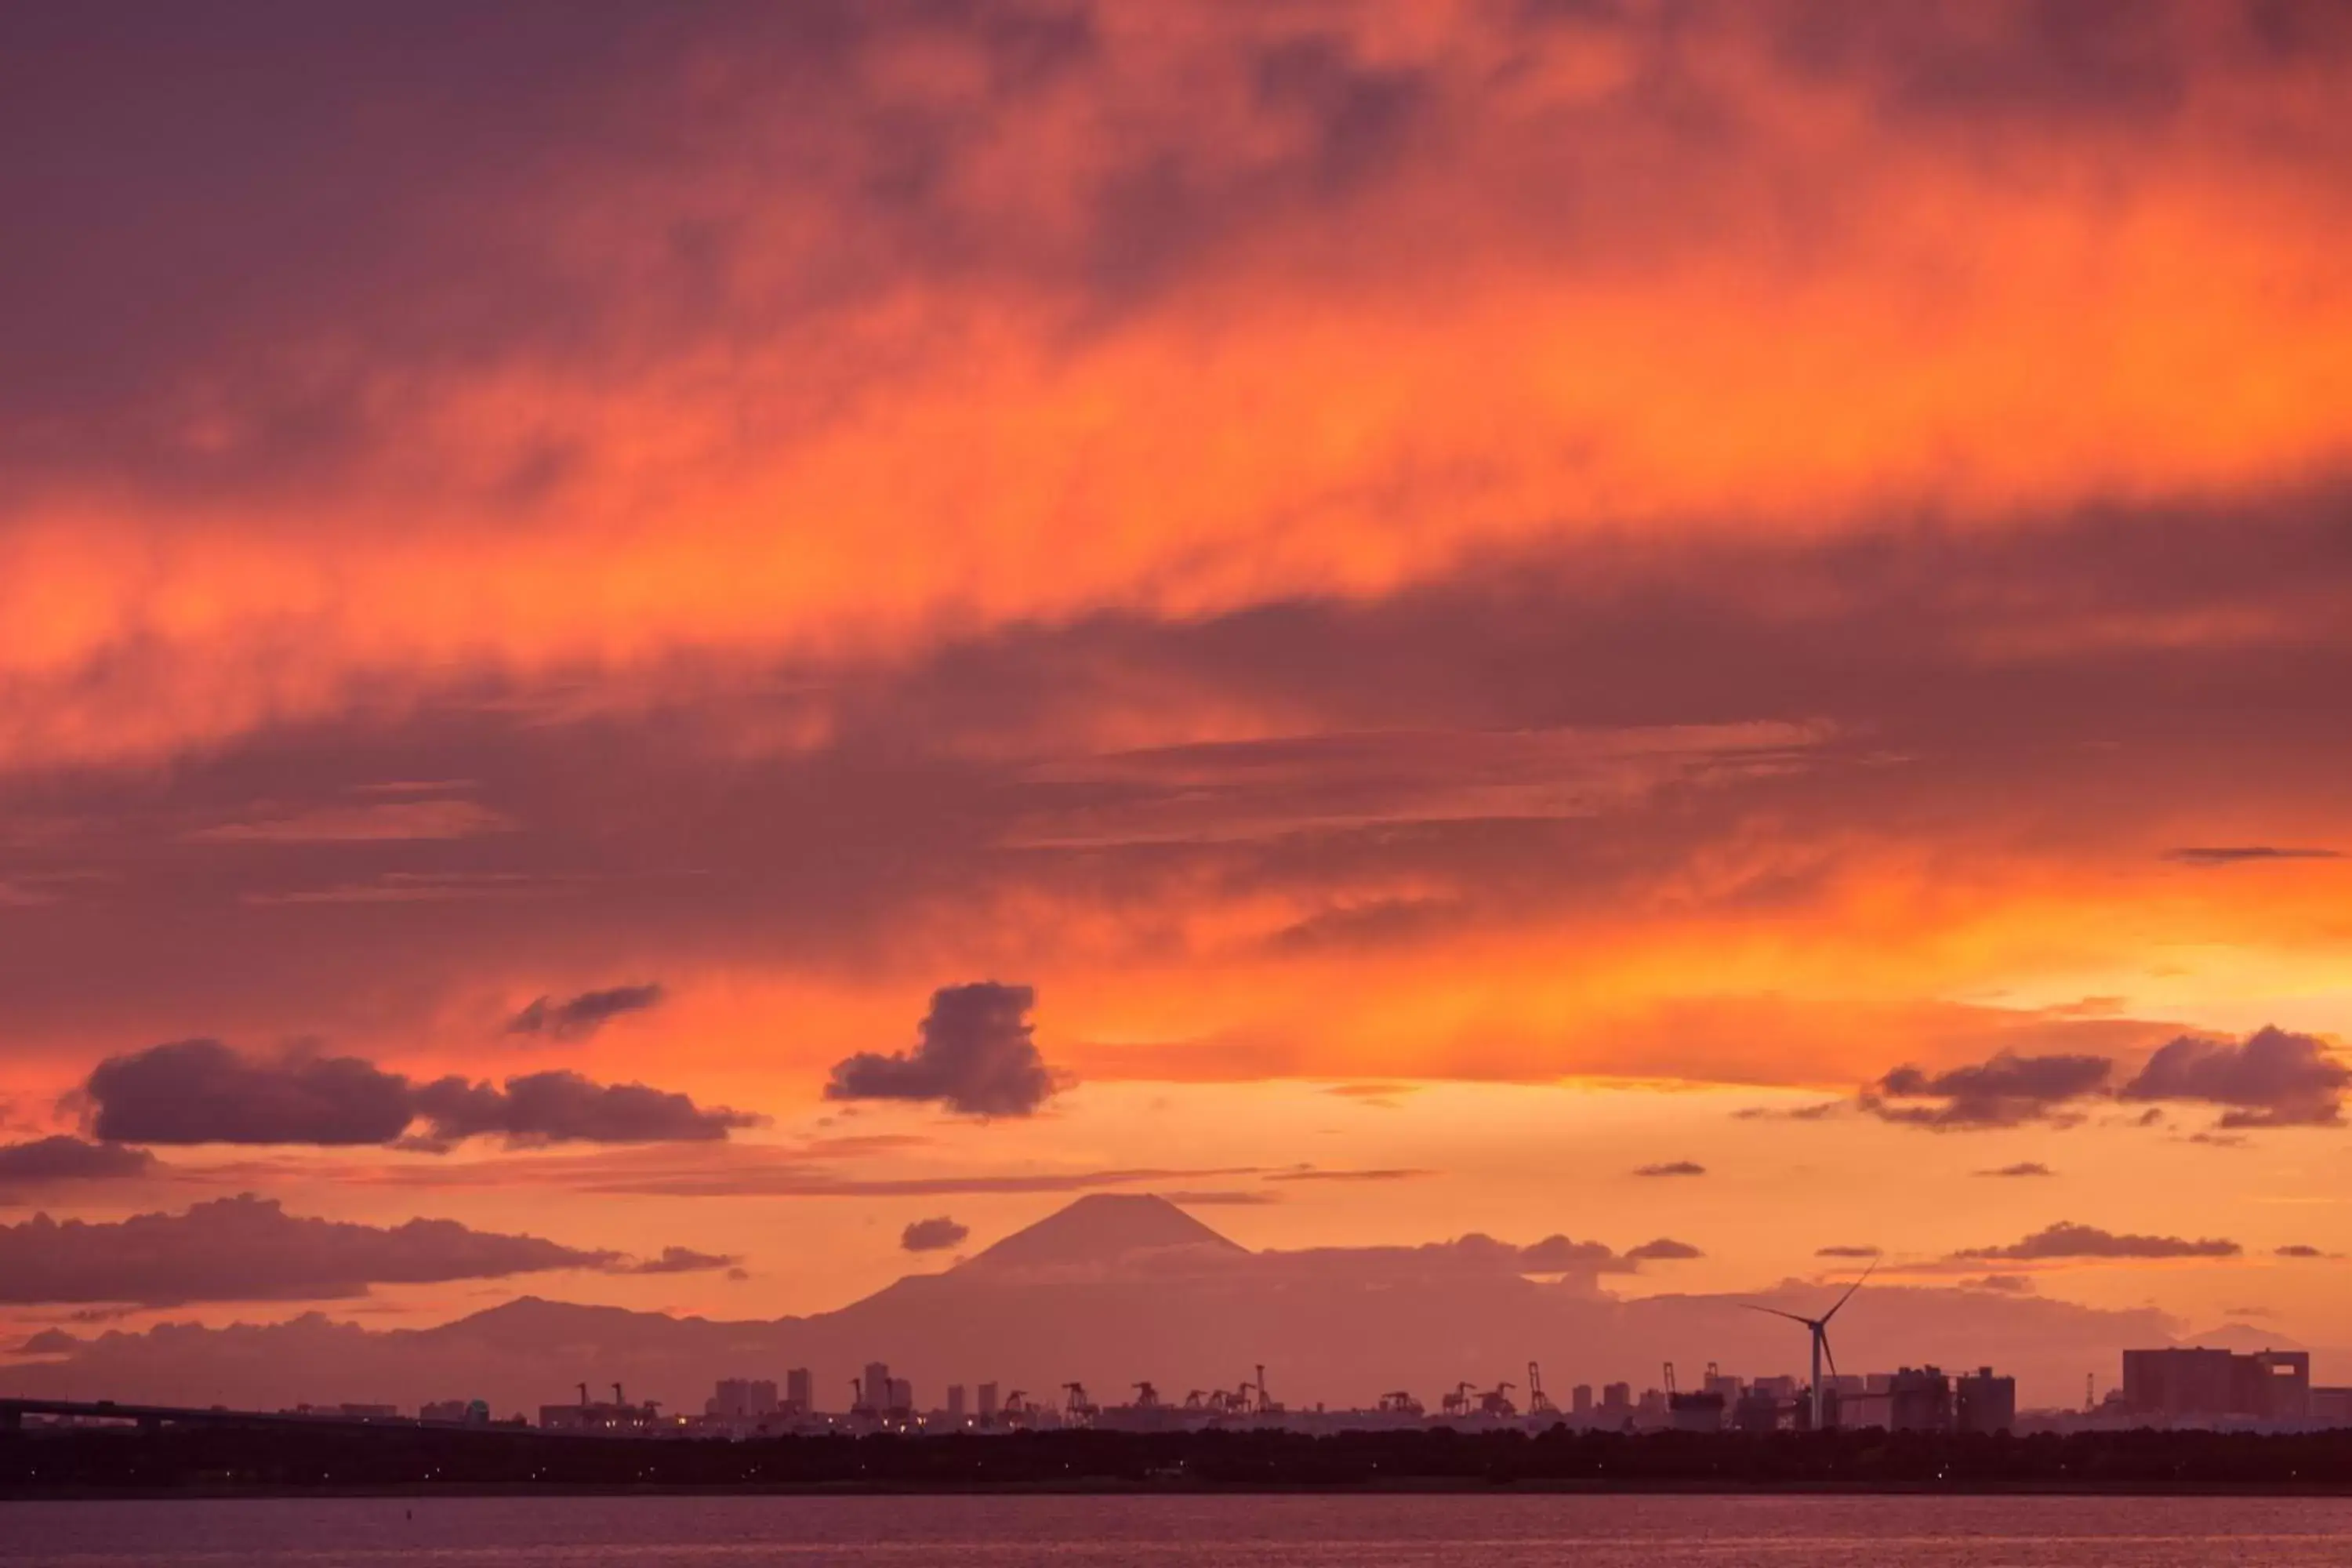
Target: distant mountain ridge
x=1108, y=1290
x=1102, y=1229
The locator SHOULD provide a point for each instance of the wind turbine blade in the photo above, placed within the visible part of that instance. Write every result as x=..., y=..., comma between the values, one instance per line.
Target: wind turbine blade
x=1775, y=1311
x=1828, y=1352
x=1849, y=1290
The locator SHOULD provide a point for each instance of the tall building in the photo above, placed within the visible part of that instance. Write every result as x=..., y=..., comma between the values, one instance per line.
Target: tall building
x=1983, y=1403
x=1580, y=1399
x=988, y=1405
x=800, y=1392
x=1919, y=1399
x=2216, y=1384
x=1617, y=1399
x=873, y=1389
x=955, y=1403
x=742, y=1399
x=900, y=1399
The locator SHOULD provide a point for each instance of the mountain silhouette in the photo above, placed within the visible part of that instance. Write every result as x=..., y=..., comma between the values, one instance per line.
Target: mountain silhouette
x=1107, y=1292
x=1102, y=1230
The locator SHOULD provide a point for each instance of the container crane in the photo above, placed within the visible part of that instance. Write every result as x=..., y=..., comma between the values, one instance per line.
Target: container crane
x=1145, y=1396
x=1458, y=1402
x=1400, y=1403
x=1075, y=1405
x=1539, y=1402
x=1496, y=1402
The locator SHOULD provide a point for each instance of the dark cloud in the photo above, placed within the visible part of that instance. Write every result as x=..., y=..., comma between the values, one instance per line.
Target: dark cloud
x=2023, y=1168
x=2299, y=1249
x=583, y=1014
x=1664, y=1249
x=1821, y=1111
x=1375, y=1174
x=565, y=1108
x=976, y=1056
x=933, y=1235
x=64, y=1158
x=1698, y=644
x=2067, y=1239
x=2240, y=854
x=2274, y=1079
x=1221, y=1198
x=686, y=1261
x=1552, y=1254
x=793, y=1179
x=2005, y=1091
x=1673, y=1168
x=1845, y=1252
x=248, y=1249
x=2002, y=1284
x=201, y=1091
x=49, y=1342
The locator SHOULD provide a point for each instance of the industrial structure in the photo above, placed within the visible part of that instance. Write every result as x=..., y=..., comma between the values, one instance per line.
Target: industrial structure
x=2197, y=1386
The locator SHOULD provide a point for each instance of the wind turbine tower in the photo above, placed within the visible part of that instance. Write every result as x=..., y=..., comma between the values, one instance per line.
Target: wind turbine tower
x=1819, y=1329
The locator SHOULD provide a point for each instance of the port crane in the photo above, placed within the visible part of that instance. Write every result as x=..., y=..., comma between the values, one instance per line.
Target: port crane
x=1539, y=1402
x=1458, y=1402
x=1400, y=1403
x=1266, y=1401
x=1075, y=1406
x=1496, y=1402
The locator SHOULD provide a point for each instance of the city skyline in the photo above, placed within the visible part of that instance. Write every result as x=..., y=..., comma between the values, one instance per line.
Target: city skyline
x=1111, y=1292
x=704, y=659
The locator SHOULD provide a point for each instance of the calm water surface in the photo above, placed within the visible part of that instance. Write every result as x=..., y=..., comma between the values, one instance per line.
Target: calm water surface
x=1185, y=1532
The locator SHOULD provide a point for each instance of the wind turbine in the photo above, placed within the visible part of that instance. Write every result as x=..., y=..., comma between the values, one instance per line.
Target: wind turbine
x=1819, y=1328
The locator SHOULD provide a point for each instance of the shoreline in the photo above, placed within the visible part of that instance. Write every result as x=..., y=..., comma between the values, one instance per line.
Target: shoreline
x=1410, y=1487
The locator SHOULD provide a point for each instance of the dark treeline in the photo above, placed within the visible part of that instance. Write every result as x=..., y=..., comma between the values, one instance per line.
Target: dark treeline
x=233, y=1458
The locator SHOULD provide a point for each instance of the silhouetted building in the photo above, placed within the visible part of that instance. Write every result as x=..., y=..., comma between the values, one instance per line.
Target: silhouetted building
x=2218, y=1384
x=989, y=1403
x=2331, y=1407
x=1757, y=1412
x=1580, y=1399
x=1983, y=1403
x=1695, y=1412
x=873, y=1390
x=800, y=1392
x=741, y=1399
x=900, y=1401
x=470, y=1412
x=1919, y=1399
x=1617, y=1400
x=955, y=1403
x=614, y=1419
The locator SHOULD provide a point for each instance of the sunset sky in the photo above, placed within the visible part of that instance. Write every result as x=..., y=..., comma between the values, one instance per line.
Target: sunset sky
x=684, y=636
